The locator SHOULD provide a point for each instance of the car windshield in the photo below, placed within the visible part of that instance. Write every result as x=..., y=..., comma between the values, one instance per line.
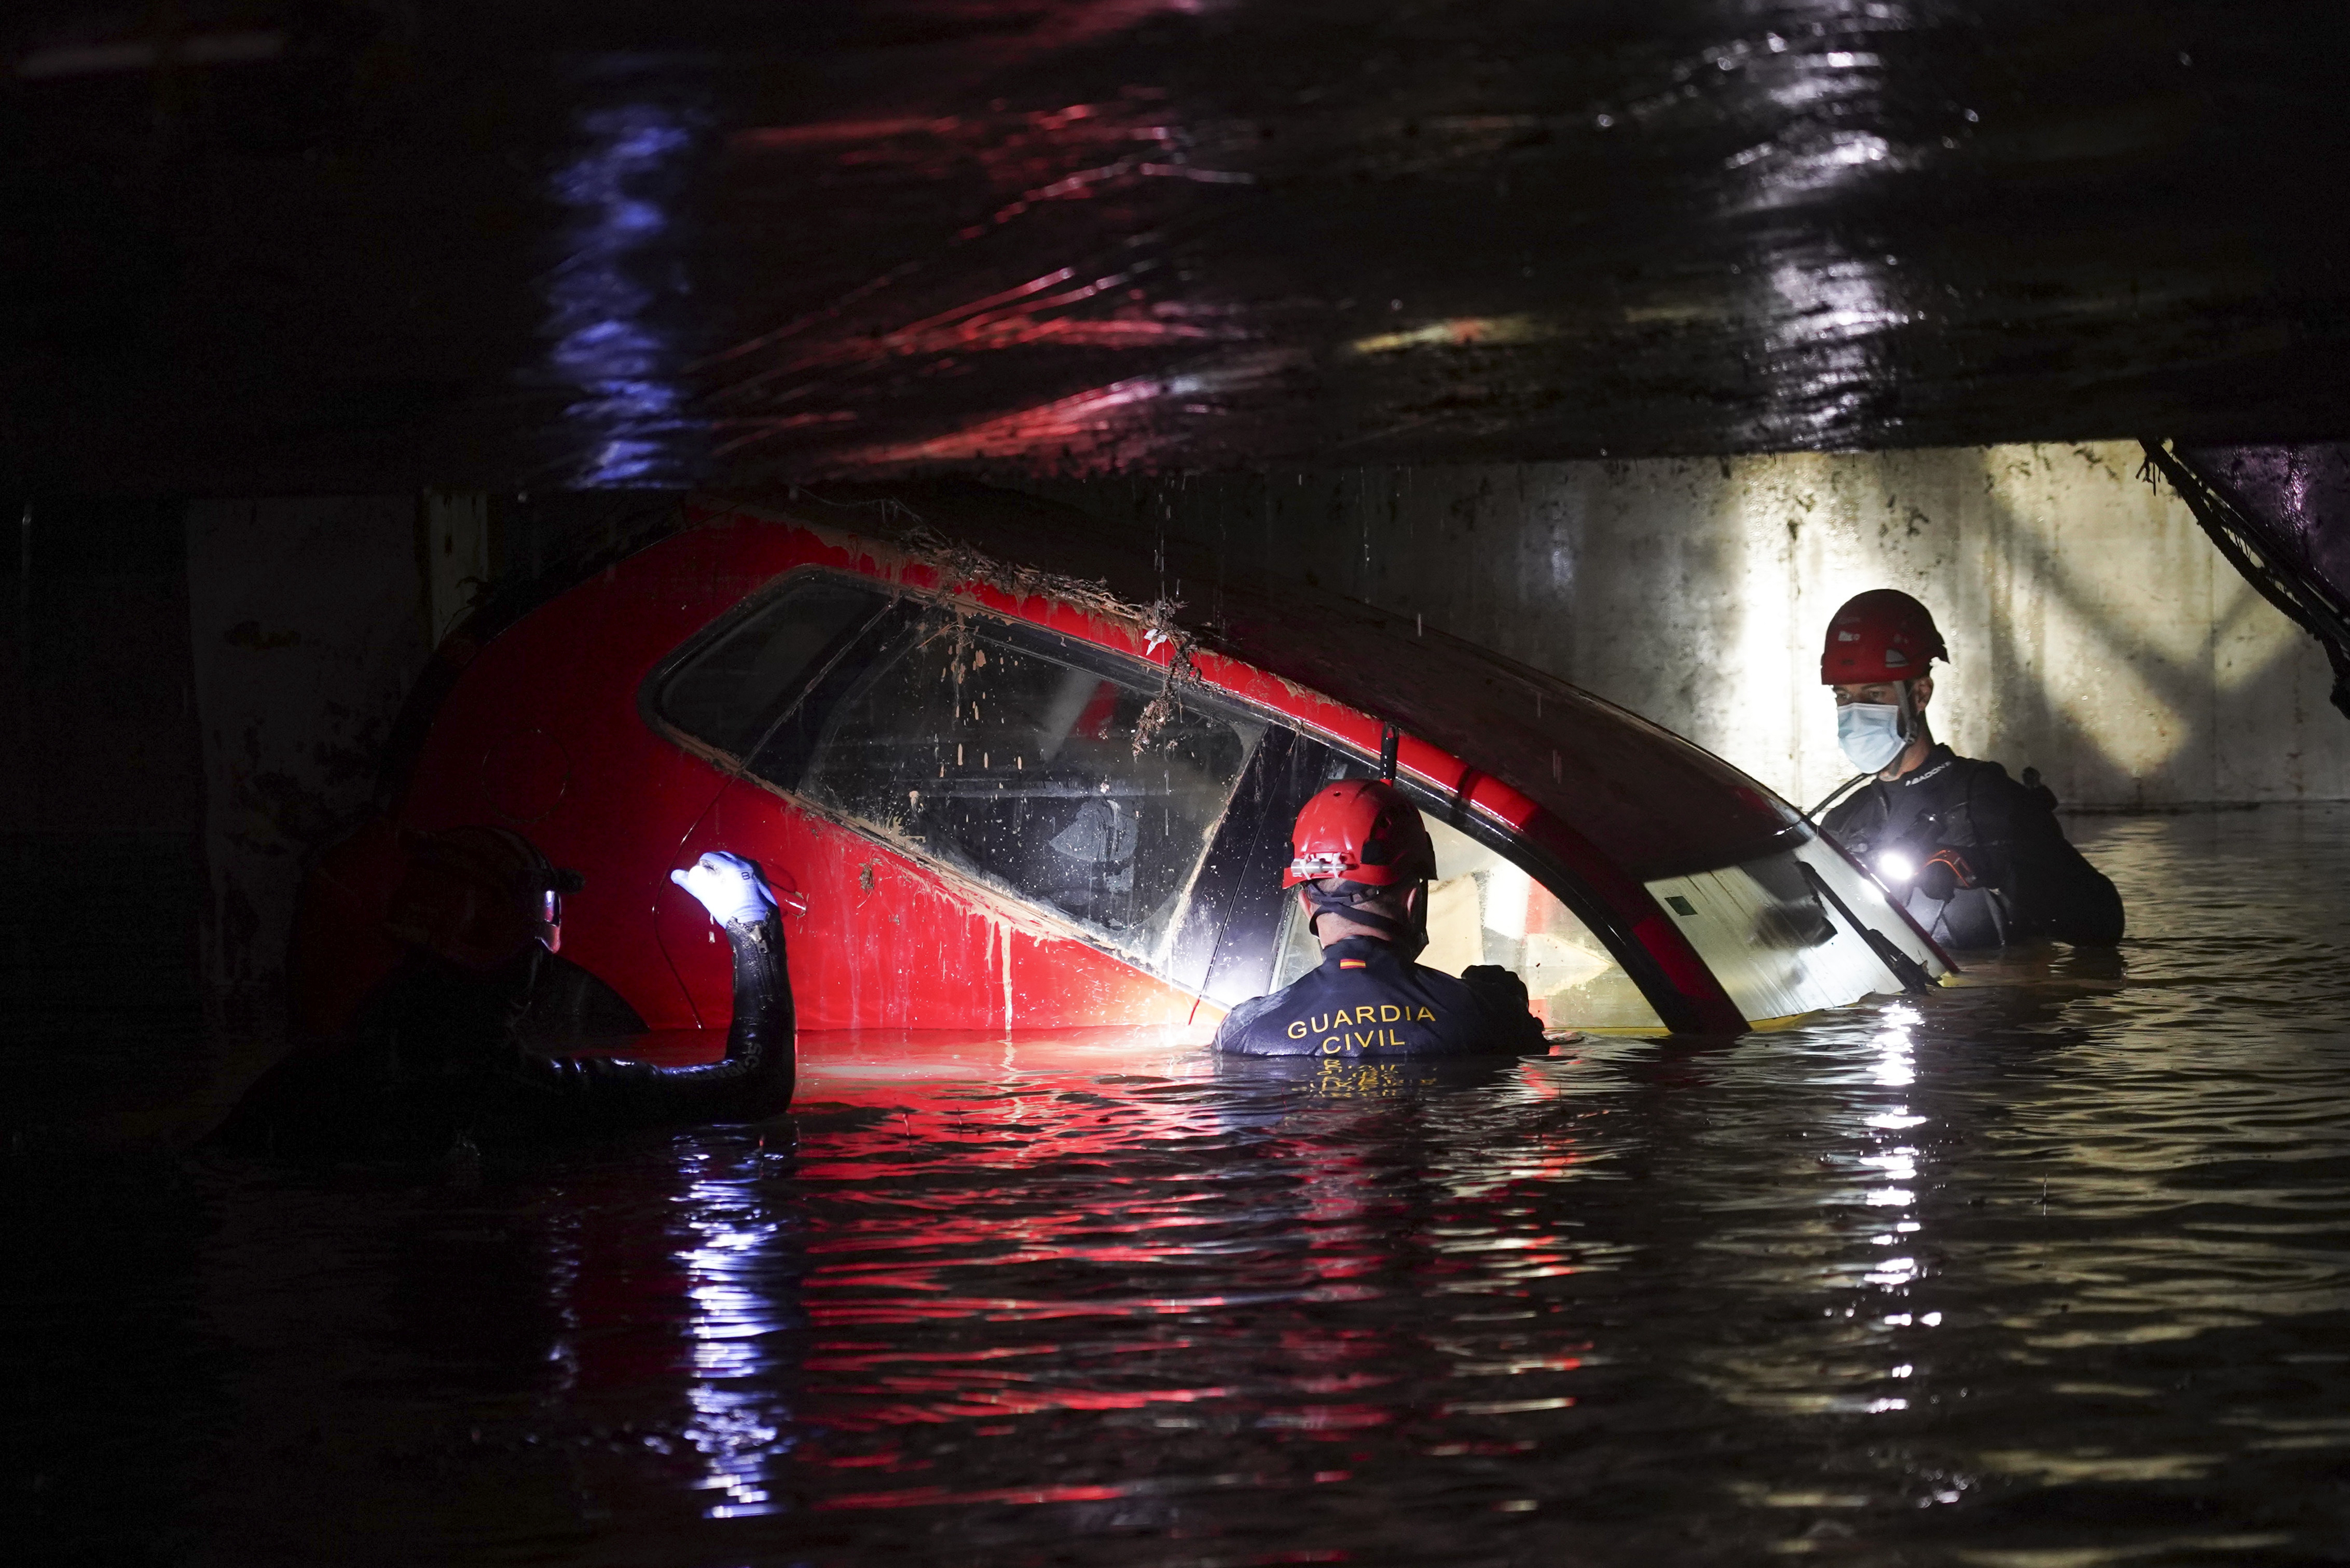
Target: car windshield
x=1786, y=934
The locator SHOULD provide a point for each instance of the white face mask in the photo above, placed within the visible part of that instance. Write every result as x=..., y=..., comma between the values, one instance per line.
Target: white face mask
x=1871, y=734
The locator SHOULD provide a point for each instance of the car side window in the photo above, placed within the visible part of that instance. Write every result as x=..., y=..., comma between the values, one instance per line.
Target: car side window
x=729, y=693
x=1485, y=908
x=1033, y=762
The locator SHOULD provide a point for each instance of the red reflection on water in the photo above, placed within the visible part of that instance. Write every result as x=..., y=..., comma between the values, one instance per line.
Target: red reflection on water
x=937, y=1496
x=921, y=1196
x=913, y=345
x=1010, y=1400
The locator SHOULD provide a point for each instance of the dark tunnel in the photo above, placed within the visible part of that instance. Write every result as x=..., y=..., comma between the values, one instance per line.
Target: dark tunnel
x=1175, y=781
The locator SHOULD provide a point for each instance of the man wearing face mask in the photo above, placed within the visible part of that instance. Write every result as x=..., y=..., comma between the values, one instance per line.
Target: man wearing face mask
x=1979, y=858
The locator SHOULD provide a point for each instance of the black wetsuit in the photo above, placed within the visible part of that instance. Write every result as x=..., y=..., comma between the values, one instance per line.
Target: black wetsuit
x=433, y=1056
x=753, y=1081
x=2032, y=884
x=1366, y=1002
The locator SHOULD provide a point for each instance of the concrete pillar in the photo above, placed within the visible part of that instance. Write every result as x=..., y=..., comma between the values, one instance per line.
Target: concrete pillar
x=308, y=620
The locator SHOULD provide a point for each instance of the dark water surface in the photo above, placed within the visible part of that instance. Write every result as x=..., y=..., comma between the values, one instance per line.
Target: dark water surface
x=2048, y=1270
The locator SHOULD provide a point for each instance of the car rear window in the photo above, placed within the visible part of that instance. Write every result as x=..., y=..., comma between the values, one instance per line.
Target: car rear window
x=729, y=693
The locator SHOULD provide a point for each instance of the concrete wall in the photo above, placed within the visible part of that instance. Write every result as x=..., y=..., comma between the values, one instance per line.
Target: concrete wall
x=308, y=619
x=2095, y=632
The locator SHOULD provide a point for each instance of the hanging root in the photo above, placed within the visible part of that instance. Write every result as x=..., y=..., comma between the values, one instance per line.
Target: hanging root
x=957, y=562
x=1160, y=626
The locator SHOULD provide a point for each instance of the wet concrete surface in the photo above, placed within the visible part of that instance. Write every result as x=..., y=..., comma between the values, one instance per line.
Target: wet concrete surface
x=363, y=244
x=2047, y=1267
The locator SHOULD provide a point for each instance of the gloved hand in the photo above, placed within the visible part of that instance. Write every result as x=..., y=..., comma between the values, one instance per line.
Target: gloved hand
x=1503, y=993
x=1944, y=874
x=729, y=886
x=1498, y=988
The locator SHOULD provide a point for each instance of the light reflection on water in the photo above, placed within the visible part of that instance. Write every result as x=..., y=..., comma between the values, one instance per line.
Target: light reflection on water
x=2054, y=1265
x=735, y=1319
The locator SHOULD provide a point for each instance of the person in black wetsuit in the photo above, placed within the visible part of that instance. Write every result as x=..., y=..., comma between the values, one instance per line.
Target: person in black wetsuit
x=1361, y=864
x=434, y=1054
x=1979, y=859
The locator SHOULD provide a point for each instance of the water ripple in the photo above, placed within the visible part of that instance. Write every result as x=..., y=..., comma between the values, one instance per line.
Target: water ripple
x=2051, y=1267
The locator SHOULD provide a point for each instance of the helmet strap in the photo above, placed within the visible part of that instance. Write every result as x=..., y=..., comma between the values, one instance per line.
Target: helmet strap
x=1408, y=936
x=1913, y=711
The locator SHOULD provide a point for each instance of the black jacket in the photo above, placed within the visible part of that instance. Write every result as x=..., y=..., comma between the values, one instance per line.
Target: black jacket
x=2032, y=884
x=1364, y=1001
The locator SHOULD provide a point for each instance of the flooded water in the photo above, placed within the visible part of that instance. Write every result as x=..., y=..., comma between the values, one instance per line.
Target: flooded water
x=2050, y=1268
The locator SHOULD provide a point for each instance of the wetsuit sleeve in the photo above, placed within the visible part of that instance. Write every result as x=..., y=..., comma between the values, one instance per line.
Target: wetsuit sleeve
x=2054, y=890
x=1501, y=994
x=753, y=1081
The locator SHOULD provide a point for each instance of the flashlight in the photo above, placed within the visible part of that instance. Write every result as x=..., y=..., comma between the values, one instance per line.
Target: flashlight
x=1893, y=865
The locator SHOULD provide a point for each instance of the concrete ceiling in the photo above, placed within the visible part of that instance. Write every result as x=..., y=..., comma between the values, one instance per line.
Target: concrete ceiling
x=347, y=244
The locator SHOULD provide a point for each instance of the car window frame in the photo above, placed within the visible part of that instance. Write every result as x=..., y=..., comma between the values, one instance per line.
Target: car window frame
x=1207, y=955
x=749, y=608
x=1604, y=921
x=1191, y=945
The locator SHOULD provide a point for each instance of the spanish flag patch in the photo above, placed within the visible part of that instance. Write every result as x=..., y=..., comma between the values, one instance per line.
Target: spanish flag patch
x=1350, y=963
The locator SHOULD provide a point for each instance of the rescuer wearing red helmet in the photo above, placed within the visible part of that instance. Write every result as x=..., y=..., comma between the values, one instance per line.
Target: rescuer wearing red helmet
x=1361, y=862
x=1979, y=859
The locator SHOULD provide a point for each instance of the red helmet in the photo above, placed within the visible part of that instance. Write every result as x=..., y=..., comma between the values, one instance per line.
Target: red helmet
x=1881, y=635
x=1363, y=831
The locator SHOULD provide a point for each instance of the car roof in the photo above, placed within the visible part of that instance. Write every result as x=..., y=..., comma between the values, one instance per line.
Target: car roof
x=1655, y=804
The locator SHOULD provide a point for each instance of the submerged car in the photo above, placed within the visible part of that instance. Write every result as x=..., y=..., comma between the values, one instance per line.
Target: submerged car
x=1020, y=802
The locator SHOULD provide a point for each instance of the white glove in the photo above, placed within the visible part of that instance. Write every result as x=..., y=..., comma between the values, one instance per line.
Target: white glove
x=729, y=886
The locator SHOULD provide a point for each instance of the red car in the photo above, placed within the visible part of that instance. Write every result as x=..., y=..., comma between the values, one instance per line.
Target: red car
x=1021, y=803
